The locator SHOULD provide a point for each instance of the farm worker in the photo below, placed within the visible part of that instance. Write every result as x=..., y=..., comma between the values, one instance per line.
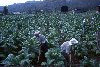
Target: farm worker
x=43, y=46
x=66, y=46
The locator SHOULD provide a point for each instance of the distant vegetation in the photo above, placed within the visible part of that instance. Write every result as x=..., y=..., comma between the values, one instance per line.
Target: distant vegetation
x=5, y=10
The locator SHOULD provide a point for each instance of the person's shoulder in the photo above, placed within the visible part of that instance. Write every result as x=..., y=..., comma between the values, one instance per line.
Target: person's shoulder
x=66, y=42
x=41, y=36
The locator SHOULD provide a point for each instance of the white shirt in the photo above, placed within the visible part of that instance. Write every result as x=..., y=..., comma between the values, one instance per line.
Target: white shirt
x=65, y=47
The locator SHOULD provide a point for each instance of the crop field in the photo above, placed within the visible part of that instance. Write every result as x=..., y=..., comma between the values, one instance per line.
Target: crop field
x=17, y=38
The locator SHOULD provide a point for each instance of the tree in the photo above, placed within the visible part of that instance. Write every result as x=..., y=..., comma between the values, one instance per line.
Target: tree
x=5, y=10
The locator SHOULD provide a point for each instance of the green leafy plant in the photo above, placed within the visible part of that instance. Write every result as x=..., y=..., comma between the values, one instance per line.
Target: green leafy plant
x=16, y=31
x=54, y=57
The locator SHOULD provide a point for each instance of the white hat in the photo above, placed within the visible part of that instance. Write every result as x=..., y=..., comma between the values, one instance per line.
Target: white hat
x=73, y=41
x=37, y=32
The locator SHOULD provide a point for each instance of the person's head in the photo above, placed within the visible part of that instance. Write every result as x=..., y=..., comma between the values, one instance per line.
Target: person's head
x=73, y=41
x=37, y=33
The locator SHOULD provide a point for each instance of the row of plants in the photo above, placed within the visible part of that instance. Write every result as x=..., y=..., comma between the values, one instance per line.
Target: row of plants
x=17, y=31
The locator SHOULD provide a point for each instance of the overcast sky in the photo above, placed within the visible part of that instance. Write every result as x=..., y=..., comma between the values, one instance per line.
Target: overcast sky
x=9, y=2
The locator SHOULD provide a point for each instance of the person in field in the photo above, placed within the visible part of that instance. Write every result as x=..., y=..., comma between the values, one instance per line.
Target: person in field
x=66, y=47
x=43, y=46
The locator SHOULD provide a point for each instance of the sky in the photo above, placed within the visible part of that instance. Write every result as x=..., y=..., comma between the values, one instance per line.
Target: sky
x=9, y=2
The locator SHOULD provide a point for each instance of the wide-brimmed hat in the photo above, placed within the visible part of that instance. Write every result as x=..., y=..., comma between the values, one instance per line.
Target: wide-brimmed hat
x=73, y=41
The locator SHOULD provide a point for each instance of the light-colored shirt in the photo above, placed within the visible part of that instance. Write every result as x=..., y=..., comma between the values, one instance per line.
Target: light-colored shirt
x=65, y=47
x=41, y=38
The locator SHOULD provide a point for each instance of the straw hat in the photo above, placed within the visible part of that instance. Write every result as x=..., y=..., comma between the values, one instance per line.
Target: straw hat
x=37, y=32
x=73, y=41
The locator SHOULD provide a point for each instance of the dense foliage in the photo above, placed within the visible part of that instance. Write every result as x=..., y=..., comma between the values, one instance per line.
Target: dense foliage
x=16, y=34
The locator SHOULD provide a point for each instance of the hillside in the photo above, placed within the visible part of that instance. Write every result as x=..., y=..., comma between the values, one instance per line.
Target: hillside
x=52, y=6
